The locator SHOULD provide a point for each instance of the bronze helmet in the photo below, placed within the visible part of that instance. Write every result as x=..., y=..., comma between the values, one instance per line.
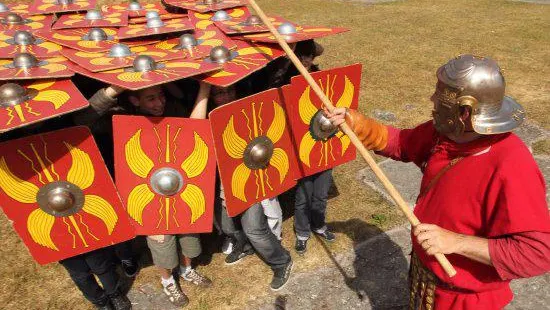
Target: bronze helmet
x=477, y=83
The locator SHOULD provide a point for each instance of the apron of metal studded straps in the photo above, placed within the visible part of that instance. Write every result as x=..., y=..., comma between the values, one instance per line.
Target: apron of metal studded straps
x=422, y=283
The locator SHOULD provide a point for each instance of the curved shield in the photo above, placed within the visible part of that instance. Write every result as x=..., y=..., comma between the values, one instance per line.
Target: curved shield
x=78, y=39
x=245, y=22
x=166, y=173
x=52, y=98
x=28, y=23
x=58, y=193
x=245, y=60
x=164, y=16
x=254, y=150
x=204, y=6
x=38, y=47
x=117, y=19
x=165, y=72
x=54, y=67
x=104, y=61
x=203, y=21
x=318, y=144
x=21, y=9
x=302, y=33
x=205, y=39
x=60, y=6
x=143, y=30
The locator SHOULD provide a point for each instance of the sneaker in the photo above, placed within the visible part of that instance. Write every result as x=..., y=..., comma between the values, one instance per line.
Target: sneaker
x=175, y=295
x=300, y=246
x=227, y=246
x=237, y=255
x=130, y=267
x=120, y=302
x=196, y=278
x=281, y=276
x=327, y=235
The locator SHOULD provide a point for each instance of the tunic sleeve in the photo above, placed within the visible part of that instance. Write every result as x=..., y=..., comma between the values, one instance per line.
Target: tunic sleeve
x=410, y=144
x=521, y=255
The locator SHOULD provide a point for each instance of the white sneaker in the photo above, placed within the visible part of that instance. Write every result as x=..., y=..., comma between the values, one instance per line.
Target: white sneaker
x=175, y=295
x=227, y=246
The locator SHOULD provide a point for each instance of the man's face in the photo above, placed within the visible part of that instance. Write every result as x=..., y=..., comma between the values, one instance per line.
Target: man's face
x=150, y=101
x=221, y=95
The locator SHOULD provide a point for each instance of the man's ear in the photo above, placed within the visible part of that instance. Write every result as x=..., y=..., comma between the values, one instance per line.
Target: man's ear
x=133, y=100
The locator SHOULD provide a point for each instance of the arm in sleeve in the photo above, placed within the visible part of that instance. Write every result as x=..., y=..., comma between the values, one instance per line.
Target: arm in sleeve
x=100, y=103
x=521, y=255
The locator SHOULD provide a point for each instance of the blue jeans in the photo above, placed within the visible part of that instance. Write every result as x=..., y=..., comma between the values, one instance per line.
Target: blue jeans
x=311, y=204
x=256, y=229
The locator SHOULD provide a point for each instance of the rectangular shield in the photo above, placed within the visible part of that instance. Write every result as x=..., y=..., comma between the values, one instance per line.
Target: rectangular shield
x=43, y=100
x=302, y=33
x=206, y=6
x=246, y=59
x=47, y=68
x=206, y=40
x=255, y=155
x=164, y=16
x=165, y=171
x=28, y=23
x=39, y=48
x=136, y=9
x=54, y=6
x=59, y=196
x=143, y=30
x=320, y=146
x=117, y=19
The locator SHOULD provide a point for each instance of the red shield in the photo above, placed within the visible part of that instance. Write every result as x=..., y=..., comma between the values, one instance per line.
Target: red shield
x=203, y=20
x=29, y=23
x=96, y=62
x=167, y=72
x=202, y=6
x=145, y=7
x=254, y=150
x=150, y=151
x=21, y=9
x=320, y=148
x=51, y=98
x=69, y=21
x=58, y=193
x=142, y=30
x=303, y=33
x=51, y=6
x=165, y=16
x=206, y=39
x=241, y=24
x=76, y=39
x=40, y=48
x=246, y=59
x=54, y=67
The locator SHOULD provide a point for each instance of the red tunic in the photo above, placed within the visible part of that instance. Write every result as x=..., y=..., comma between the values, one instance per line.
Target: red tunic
x=495, y=191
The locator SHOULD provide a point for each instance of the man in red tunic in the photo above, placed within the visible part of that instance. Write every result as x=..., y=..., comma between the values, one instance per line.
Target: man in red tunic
x=482, y=199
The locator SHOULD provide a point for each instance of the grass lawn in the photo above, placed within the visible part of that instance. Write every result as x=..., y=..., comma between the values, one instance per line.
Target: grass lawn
x=400, y=45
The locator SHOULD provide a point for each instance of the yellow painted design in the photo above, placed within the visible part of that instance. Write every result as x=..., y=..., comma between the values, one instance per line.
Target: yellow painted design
x=207, y=35
x=101, y=209
x=82, y=171
x=182, y=64
x=193, y=196
x=255, y=50
x=305, y=107
x=42, y=84
x=196, y=162
x=101, y=61
x=68, y=38
x=203, y=24
x=138, y=199
x=50, y=47
x=19, y=190
x=238, y=181
x=344, y=139
x=113, y=20
x=237, y=13
x=57, y=97
x=279, y=160
x=317, y=30
x=347, y=95
x=53, y=68
x=88, y=44
x=137, y=160
x=222, y=73
x=233, y=144
x=39, y=226
x=89, y=55
x=165, y=45
x=306, y=145
x=277, y=127
x=131, y=77
x=212, y=42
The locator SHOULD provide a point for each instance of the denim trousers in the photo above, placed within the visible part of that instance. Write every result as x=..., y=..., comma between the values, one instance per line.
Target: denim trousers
x=311, y=203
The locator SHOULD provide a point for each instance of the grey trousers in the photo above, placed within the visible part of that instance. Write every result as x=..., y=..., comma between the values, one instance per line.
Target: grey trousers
x=311, y=204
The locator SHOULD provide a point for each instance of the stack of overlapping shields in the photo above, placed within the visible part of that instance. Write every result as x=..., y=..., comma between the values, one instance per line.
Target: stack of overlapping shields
x=55, y=186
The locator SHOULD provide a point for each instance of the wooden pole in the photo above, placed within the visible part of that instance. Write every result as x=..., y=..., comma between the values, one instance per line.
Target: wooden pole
x=443, y=261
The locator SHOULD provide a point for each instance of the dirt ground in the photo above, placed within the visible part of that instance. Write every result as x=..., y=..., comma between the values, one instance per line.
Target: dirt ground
x=400, y=45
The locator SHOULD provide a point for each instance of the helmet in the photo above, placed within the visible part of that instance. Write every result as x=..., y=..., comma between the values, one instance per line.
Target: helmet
x=477, y=83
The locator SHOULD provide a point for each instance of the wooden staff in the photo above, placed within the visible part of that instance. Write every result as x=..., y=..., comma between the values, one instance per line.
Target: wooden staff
x=443, y=261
